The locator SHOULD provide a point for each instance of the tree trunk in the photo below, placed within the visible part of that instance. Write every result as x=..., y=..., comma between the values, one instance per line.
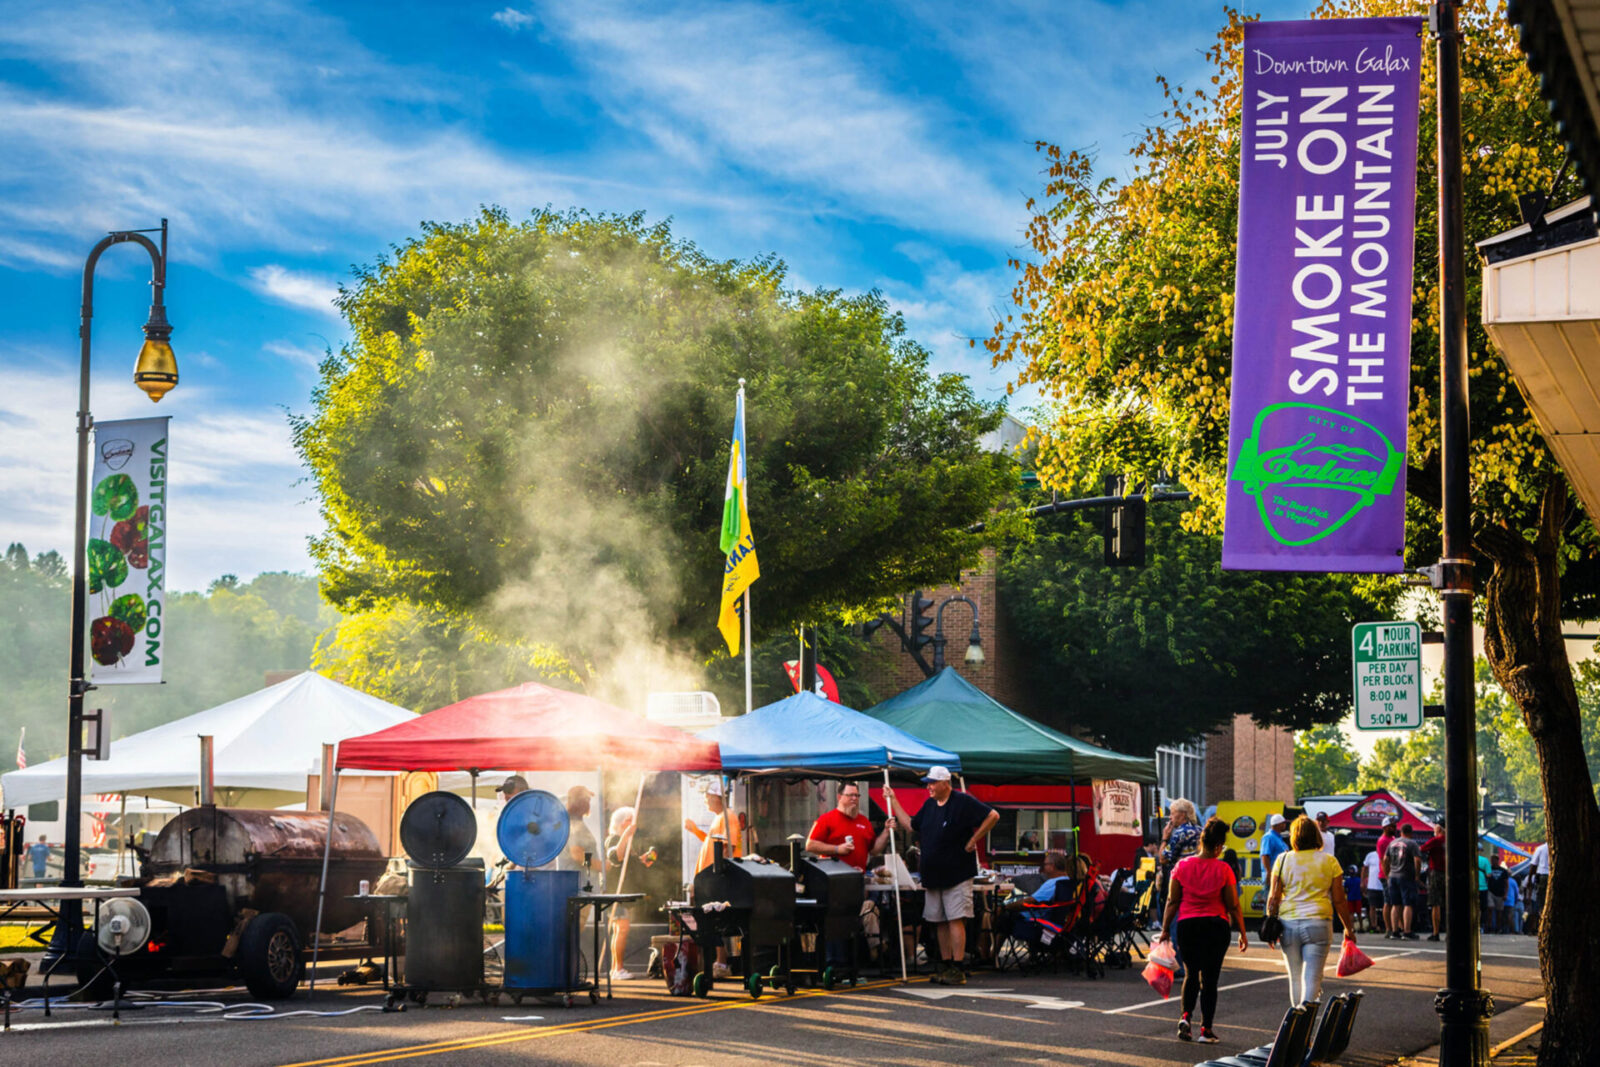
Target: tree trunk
x=1524, y=646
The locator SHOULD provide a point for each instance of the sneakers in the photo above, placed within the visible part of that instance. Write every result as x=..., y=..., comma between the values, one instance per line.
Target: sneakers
x=721, y=970
x=1183, y=1029
x=1206, y=1036
x=620, y=975
x=1391, y=936
x=955, y=976
x=1409, y=936
x=1433, y=937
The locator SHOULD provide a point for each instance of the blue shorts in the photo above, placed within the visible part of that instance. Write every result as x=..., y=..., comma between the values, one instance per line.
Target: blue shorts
x=1401, y=892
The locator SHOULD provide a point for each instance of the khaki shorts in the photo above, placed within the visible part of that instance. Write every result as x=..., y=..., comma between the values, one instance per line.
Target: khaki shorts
x=947, y=905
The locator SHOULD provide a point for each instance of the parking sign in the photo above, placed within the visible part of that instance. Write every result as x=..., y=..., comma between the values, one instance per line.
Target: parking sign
x=1388, y=675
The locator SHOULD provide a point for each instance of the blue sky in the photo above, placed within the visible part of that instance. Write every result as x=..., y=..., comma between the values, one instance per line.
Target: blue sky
x=884, y=146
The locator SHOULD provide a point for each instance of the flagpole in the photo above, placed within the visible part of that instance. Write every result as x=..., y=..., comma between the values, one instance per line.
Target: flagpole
x=749, y=702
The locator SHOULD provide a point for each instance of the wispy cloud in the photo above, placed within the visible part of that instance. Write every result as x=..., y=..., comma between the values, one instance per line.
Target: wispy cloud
x=753, y=87
x=298, y=354
x=235, y=502
x=512, y=19
x=296, y=289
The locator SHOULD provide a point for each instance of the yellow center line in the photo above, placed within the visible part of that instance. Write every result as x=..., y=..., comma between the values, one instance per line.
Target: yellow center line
x=506, y=1037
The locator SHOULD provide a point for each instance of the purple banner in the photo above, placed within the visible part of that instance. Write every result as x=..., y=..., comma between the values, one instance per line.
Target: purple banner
x=1322, y=304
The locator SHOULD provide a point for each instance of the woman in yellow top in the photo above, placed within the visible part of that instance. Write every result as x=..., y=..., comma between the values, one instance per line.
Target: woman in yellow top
x=1307, y=891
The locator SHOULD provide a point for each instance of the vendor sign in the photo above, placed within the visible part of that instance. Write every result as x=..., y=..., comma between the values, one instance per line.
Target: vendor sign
x=1116, y=808
x=1322, y=305
x=127, y=552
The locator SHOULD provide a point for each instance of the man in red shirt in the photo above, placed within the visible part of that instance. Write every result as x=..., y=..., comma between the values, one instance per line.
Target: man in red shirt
x=844, y=834
x=1391, y=914
x=1433, y=852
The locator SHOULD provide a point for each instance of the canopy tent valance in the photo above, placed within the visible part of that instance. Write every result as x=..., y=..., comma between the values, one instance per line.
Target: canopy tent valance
x=532, y=727
x=999, y=746
x=807, y=735
x=265, y=744
x=1370, y=811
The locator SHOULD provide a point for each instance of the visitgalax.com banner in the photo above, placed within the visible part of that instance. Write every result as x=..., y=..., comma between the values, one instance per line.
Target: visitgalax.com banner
x=128, y=551
x=1322, y=306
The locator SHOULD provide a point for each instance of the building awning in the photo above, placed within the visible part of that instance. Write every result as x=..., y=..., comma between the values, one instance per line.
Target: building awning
x=1541, y=307
x=1561, y=39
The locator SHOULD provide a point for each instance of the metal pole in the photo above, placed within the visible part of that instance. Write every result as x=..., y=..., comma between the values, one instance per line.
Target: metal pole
x=899, y=918
x=1463, y=1007
x=749, y=691
x=322, y=884
x=64, y=941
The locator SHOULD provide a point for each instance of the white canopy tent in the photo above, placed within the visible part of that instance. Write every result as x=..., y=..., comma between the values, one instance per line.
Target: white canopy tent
x=266, y=743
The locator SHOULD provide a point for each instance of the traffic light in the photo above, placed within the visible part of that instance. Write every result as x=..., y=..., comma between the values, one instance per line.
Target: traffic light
x=1122, y=526
x=919, y=622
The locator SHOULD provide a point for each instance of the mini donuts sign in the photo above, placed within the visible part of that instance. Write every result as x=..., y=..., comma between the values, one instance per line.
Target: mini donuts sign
x=128, y=552
x=1322, y=304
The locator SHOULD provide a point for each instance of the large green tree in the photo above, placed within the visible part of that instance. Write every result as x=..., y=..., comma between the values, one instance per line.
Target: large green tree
x=1325, y=763
x=1142, y=656
x=527, y=439
x=1124, y=320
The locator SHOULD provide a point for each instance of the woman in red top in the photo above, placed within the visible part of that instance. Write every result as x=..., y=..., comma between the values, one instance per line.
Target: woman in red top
x=1204, y=898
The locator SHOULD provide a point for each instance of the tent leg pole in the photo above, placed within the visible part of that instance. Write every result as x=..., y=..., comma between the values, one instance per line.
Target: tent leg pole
x=899, y=917
x=622, y=875
x=322, y=886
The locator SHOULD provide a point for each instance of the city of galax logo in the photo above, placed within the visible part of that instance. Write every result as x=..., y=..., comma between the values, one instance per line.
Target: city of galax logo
x=1312, y=469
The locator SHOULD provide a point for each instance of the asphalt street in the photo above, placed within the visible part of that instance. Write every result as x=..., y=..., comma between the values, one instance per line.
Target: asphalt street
x=997, y=1018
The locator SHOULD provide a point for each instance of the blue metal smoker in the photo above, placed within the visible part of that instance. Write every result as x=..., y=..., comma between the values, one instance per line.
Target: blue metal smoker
x=541, y=952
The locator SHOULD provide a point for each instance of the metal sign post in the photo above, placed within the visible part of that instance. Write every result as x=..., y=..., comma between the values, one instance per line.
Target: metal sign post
x=1388, y=675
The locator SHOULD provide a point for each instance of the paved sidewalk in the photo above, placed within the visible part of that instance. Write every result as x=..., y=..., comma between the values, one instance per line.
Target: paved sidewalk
x=1513, y=1039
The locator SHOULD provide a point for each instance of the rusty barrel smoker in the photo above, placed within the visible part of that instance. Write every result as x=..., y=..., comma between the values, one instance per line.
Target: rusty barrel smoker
x=235, y=889
x=445, y=901
x=751, y=898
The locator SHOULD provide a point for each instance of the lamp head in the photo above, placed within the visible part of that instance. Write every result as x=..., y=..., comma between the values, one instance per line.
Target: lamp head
x=156, y=372
x=974, y=645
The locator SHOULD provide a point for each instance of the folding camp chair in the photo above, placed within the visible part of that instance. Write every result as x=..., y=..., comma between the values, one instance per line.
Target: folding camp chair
x=1321, y=1043
x=1288, y=1048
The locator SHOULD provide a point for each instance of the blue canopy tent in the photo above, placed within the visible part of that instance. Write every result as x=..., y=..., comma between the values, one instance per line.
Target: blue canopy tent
x=808, y=736
x=1503, y=845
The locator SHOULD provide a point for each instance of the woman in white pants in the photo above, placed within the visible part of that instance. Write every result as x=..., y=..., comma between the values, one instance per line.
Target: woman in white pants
x=1307, y=891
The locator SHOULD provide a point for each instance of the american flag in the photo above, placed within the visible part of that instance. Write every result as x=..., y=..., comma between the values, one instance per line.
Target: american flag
x=22, y=754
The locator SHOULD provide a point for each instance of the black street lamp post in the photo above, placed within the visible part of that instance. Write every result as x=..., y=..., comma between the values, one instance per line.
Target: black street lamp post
x=974, y=640
x=1463, y=1005
x=156, y=372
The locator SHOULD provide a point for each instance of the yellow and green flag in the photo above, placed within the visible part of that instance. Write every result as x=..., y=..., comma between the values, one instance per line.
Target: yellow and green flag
x=738, y=543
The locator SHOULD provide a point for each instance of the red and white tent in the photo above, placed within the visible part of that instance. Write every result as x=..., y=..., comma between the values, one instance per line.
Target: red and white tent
x=1370, y=811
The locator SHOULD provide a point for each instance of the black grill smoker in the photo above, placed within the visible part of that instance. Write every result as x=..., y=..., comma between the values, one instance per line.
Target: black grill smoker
x=750, y=898
x=444, y=907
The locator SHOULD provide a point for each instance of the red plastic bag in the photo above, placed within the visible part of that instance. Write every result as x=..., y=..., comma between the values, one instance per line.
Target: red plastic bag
x=1162, y=954
x=1352, y=960
x=1159, y=977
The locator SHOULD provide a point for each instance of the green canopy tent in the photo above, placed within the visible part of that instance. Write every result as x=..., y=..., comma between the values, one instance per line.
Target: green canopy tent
x=998, y=746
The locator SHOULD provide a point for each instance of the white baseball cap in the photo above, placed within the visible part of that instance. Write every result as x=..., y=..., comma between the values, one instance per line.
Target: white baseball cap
x=937, y=774
x=1276, y=820
x=715, y=788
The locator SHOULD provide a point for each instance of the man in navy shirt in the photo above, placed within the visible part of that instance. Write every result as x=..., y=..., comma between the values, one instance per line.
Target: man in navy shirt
x=949, y=826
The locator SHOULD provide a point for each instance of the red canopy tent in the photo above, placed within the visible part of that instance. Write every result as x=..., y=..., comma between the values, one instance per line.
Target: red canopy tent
x=1369, y=812
x=532, y=727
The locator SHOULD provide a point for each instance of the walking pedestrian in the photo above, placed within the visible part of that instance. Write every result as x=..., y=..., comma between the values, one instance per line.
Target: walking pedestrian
x=1203, y=907
x=619, y=842
x=1307, y=892
x=1403, y=860
x=1511, y=916
x=1273, y=843
x=1499, y=878
x=1181, y=838
x=39, y=854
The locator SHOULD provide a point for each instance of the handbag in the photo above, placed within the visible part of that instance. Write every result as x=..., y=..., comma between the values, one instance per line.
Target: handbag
x=1271, y=930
